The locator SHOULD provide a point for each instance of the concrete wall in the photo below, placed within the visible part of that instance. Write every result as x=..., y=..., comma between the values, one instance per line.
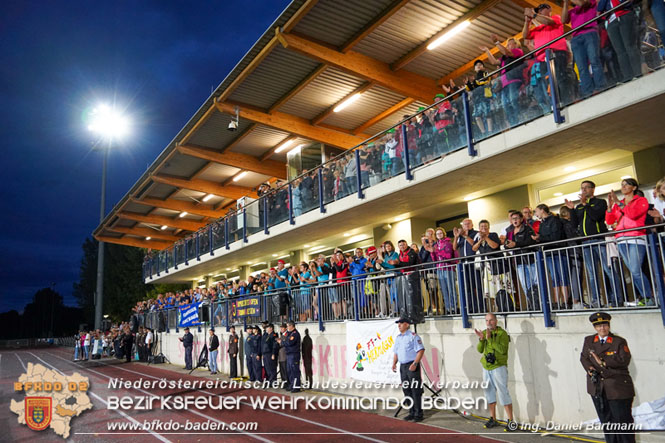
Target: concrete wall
x=495, y=207
x=546, y=380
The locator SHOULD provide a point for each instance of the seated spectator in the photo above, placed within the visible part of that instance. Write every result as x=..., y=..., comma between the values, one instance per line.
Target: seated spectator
x=630, y=212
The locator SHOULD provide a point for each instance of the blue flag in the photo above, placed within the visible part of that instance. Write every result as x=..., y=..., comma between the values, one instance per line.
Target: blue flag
x=189, y=315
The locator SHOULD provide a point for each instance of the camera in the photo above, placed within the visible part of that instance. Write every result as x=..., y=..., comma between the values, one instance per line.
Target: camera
x=490, y=358
x=233, y=125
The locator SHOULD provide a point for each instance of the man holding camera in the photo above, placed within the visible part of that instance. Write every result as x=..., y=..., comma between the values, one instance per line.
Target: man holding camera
x=493, y=344
x=605, y=358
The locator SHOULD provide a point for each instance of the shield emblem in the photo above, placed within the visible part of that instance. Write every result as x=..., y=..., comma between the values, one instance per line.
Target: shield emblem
x=38, y=412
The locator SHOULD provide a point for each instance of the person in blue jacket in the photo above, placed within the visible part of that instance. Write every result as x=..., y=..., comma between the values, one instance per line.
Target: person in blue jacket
x=291, y=342
x=270, y=352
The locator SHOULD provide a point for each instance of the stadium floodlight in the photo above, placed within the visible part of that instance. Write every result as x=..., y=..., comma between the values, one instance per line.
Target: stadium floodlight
x=108, y=122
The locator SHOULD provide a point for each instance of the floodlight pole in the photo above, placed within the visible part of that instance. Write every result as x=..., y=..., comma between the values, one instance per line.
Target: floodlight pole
x=99, y=293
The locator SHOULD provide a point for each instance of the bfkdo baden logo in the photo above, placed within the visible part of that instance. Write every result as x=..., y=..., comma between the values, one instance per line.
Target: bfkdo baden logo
x=52, y=399
x=38, y=412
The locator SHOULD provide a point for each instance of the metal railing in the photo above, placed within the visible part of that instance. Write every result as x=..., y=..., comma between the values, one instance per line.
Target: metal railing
x=604, y=271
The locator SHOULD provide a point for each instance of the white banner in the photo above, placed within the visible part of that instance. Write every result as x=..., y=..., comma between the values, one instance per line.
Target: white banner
x=370, y=350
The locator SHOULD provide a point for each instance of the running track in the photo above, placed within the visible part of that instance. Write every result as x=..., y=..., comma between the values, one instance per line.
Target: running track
x=273, y=426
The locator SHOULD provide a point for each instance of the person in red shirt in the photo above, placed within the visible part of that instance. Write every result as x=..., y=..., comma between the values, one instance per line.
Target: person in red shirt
x=631, y=212
x=547, y=28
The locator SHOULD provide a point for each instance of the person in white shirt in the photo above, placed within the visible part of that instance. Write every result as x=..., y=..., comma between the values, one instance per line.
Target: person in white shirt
x=658, y=202
x=86, y=345
x=148, y=342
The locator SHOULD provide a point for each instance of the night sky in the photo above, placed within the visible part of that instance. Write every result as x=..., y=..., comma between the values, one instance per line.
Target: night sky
x=159, y=60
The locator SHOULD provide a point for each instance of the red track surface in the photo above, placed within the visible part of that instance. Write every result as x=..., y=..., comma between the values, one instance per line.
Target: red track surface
x=273, y=425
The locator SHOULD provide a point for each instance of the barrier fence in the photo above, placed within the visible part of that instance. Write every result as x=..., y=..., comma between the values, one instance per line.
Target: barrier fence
x=606, y=271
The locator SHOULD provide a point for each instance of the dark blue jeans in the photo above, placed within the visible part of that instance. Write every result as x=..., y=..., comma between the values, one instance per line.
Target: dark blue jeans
x=623, y=36
x=586, y=52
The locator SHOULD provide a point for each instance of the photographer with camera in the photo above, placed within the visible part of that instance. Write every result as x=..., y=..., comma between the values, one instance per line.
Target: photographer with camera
x=493, y=344
x=605, y=358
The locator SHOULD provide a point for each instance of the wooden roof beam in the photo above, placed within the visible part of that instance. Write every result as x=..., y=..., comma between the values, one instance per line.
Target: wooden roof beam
x=293, y=124
x=138, y=243
x=146, y=232
x=420, y=49
x=246, y=162
x=403, y=82
x=189, y=225
x=197, y=184
x=299, y=87
x=385, y=114
x=180, y=206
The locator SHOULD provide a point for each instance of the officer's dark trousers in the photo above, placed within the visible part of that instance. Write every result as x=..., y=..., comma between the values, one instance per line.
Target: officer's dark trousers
x=256, y=367
x=188, y=357
x=293, y=368
x=271, y=367
x=413, y=389
x=250, y=368
x=615, y=411
x=233, y=366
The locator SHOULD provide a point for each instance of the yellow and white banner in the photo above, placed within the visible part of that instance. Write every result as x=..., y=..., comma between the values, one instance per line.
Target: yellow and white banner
x=370, y=350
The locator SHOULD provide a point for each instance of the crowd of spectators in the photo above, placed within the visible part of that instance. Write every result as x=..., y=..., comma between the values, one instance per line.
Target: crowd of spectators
x=504, y=280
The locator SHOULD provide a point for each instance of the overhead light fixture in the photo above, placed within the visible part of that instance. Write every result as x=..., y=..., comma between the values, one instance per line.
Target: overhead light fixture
x=164, y=227
x=239, y=176
x=148, y=238
x=623, y=177
x=274, y=255
x=569, y=169
x=284, y=256
x=207, y=197
x=182, y=214
x=347, y=102
x=346, y=234
x=558, y=194
x=468, y=198
x=228, y=269
x=305, y=246
x=284, y=145
x=234, y=123
x=448, y=35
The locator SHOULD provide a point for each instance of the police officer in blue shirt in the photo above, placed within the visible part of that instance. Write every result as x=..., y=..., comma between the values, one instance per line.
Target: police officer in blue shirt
x=291, y=342
x=270, y=350
x=409, y=350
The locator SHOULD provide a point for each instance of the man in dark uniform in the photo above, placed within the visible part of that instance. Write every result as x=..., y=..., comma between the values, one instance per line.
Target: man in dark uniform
x=307, y=347
x=188, y=343
x=233, y=353
x=605, y=358
x=140, y=344
x=270, y=351
x=127, y=342
x=254, y=350
x=283, y=370
x=291, y=342
x=249, y=331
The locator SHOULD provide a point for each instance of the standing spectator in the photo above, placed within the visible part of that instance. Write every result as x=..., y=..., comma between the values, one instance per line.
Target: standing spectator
x=291, y=342
x=357, y=268
x=408, y=352
x=149, y=338
x=622, y=29
x=574, y=256
x=247, y=350
x=494, y=269
x=443, y=250
x=548, y=27
x=658, y=202
x=481, y=94
x=493, y=343
x=658, y=13
x=307, y=347
x=511, y=78
x=430, y=278
x=630, y=212
x=551, y=230
x=213, y=346
x=605, y=358
x=127, y=342
x=281, y=357
x=339, y=294
x=527, y=213
x=254, y=345
x=86, y=345
x=463, y=247
x=520, y=237
x=425, y=139
x=589, y=217
x=410, y=280
x=388, y=260
x=585, y=44
x=77, y=346
x=233, y=353
x=187, y=342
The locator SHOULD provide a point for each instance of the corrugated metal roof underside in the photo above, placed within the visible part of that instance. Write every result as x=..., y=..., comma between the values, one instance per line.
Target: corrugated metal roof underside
x=160, y=190
x=505, y=19
x=413, y=24
x=277, y=74
x=214, y=132
x=182, y=165
x=328, y=88
x=329, y=23
x=217, y=172
x=260, y=140
x=394, y=118
x=371, y=102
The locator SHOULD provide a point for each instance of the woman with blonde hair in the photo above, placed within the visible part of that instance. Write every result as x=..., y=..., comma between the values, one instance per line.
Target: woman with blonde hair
x=658, y=202
x=442, y=249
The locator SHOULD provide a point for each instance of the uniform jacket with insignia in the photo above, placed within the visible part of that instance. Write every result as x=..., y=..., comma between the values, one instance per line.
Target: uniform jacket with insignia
x=614, y=378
